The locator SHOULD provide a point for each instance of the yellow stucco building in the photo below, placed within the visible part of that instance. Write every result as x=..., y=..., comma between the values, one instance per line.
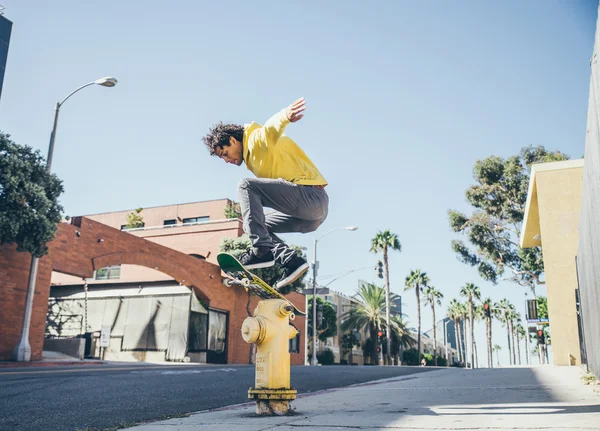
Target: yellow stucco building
x=551, y=220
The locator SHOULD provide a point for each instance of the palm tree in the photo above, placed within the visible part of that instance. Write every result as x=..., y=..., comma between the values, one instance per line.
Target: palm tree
x=417, y=280
x=454, y=313
x=401, y=337
x=512, y=316
x=433, y=296
x=496, y=349
x=471, y=291
x=504, y=306
x=478, y=314
x=384, y=241
x=464, y=330
x=488, y=327
x=368, y=313
x=520, y=333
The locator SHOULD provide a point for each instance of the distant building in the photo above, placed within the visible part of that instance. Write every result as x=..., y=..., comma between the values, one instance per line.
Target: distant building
x=5, y=31
x=445, y=333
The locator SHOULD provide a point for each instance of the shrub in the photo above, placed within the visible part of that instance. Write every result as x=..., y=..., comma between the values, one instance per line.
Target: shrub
x=326, y=357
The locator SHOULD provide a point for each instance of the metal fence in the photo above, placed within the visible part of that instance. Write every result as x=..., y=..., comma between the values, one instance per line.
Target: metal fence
x=588, y=259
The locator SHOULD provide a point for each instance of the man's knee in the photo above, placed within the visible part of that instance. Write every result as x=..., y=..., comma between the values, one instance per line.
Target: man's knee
x=244, y=184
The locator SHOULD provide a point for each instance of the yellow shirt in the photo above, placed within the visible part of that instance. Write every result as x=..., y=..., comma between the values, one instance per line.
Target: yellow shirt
x=268, y=153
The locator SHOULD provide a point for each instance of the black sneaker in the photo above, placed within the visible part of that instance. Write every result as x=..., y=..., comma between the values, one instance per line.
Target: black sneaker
x=251, y=260
x=292, y=271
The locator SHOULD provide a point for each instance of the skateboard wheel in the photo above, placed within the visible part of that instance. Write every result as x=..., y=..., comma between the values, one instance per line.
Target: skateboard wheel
x=245, y=282
x=227, y=282
x=292, y=316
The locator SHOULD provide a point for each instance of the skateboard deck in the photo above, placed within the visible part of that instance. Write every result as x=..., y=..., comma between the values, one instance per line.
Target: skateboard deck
x=240, y=276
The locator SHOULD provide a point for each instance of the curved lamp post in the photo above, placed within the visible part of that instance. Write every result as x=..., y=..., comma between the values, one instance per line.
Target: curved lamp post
x=22, y=351
x=314, y=286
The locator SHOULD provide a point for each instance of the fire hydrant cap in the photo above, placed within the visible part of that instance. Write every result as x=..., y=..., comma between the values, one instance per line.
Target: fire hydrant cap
x=250, y=330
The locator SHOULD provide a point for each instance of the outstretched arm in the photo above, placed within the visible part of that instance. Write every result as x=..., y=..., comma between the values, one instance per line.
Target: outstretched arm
x=276, y=124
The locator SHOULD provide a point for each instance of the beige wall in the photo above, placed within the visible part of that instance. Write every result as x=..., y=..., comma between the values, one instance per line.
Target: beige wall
x=559, y=202
x=201, y=239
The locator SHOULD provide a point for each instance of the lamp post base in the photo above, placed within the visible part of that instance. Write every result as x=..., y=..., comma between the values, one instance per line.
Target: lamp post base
x=22, y=352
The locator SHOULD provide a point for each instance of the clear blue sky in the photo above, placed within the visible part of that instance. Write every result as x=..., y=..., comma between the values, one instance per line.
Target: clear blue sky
x=402, y=99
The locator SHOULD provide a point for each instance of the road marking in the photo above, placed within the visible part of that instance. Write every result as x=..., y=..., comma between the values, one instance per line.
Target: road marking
x=79, y=370
x=227, y=370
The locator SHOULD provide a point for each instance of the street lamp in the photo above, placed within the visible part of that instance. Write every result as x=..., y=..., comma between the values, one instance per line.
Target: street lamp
x=314, y=286
x=446, y=340
x=22, y=351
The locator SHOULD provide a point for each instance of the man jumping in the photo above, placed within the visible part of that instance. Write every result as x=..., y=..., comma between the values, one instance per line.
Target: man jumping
x=286, y=181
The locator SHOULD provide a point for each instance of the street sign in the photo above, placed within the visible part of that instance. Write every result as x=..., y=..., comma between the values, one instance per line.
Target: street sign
x=539, y=321
x=320, y=291
x=105, y=336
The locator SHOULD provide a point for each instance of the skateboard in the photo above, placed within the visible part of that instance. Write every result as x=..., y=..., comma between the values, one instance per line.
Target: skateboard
x=240, y=276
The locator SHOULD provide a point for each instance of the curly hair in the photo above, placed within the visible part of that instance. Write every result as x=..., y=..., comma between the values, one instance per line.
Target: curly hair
x=219, y=134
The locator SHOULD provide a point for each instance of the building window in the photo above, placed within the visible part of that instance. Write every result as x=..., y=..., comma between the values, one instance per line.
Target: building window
x=170, y=223
x=194, y=220
x=294, y=345
x=108, y=273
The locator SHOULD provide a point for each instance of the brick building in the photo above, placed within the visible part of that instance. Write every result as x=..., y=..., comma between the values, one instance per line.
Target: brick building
x=156, y=287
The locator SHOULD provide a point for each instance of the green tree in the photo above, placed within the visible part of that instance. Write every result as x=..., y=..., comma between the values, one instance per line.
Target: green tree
x=471, y=292
x=349, y=341
x=383, y=242
x=135, y=219
x=417, y=280
x=432, y=297
x=236, y=246
x=493, y=229
x=401, y=337
x=542, y=307
x=327, y=326
x=232, y=210
x=410, y=357
x=368, y=313
x=29, y=207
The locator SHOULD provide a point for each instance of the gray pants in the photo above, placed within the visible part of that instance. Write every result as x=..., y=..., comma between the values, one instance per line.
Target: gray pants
x=295, y=208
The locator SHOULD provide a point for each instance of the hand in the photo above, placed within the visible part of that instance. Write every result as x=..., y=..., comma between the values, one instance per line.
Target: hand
x=294, y=111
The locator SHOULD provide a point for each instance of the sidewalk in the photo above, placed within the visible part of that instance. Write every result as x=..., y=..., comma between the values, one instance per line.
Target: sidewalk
x=51, y=359
x=447, y=399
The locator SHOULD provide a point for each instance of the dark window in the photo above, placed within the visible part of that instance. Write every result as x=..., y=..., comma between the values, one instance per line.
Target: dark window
x=169, y=223
x=294, y=345
x=193, y=220
x=124, y=226
x=197, y=332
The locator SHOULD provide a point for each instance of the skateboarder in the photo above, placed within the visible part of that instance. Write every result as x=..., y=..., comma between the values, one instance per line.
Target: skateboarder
x=286, y=181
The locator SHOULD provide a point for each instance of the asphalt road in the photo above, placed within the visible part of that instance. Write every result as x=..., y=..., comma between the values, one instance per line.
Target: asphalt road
x=99, y=397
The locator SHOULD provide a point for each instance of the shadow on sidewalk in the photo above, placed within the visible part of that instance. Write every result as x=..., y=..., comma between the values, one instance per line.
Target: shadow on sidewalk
x=497, y=392
x=530, y=409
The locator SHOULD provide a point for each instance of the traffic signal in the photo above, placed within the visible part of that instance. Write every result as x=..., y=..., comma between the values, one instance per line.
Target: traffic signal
x=486, y=310
x=379, y=269
x=541, y=338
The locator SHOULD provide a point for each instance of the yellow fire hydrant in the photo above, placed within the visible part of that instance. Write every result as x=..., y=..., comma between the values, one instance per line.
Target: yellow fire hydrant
x=271, y=331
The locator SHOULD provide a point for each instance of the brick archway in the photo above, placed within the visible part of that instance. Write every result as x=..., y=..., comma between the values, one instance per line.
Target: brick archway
x=85, y=245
